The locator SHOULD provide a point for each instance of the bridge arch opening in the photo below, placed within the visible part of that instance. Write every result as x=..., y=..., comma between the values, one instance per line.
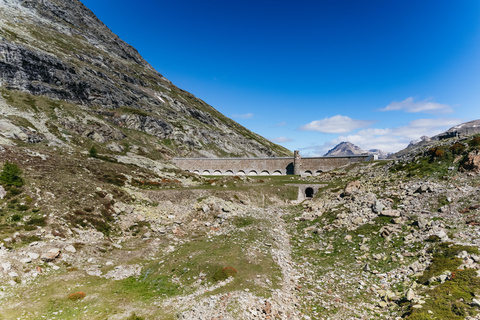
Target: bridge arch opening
x=196, y=171
x=217, y=173
x=277, y=173
x=309, y=192
x=240, y=173
x=205, y=173
x=308, y=173
x=290, y=168
x=252, y=173
x=319, y=172
x=229, y=173
x=264, y=173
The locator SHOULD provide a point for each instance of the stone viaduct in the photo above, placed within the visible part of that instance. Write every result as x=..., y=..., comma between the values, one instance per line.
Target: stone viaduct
x=308, y=166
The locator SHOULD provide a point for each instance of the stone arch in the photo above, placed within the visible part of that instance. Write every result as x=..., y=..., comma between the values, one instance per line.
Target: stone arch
x=229, y=173
x=252, y=173
x=277, y=173
x=309, y=192
x=240, y=173
x=264, y=173
x=308, y=173
x=205, y=173
x=196, y=171
x=319, y=172
x=217, y=173
x=187, y=170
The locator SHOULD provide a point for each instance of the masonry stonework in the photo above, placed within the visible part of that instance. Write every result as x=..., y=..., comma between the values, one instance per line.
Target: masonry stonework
x=309, y=166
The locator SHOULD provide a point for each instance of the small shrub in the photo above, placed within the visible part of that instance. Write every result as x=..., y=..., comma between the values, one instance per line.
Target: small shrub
x=117, y=179
x=14, y=191
x=134, y=317
x=457, y=148
x=475, y=142
x=436, y=152
x=224, y=273
x=11, y=175
x=433, y=238
x=93, y=152
x=16, y=217
x=76, y=296
x=23, y=207
x=37, y=221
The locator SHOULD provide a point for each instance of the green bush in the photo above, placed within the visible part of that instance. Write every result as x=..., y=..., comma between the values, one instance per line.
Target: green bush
x=93, y=152
x=11, y=175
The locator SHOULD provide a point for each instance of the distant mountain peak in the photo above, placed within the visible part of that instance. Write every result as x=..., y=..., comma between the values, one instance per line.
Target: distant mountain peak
x=347, y=148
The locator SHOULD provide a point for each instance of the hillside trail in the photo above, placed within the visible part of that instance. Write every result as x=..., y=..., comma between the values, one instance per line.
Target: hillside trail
x=244, y=304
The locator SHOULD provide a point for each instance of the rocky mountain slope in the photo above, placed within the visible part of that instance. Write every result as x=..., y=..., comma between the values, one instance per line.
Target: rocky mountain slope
x=65, y=76
x=349, y=149
x=461, y=130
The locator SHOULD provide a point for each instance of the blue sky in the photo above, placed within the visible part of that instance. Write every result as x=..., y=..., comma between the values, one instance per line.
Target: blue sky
x=310, y=74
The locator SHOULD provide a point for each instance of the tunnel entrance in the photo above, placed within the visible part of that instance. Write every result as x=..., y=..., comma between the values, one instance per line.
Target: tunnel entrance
x=309, y=192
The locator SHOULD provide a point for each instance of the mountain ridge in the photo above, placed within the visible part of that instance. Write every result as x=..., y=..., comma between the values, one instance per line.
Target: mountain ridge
x=61, y=50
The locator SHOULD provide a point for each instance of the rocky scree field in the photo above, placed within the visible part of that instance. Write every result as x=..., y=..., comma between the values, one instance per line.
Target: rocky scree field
x=85, y=237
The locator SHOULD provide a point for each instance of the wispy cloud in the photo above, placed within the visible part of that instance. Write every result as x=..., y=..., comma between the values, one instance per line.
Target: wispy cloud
x=281, y=140
x=243, y=116
x=281, y=124
x=425, y=106
x=336, y=124
x=388, y=139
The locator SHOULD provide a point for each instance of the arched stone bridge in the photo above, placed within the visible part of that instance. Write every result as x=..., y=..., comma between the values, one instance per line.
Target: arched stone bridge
x=309, y=166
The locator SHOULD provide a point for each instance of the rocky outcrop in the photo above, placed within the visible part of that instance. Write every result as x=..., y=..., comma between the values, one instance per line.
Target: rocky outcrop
x=471, y=163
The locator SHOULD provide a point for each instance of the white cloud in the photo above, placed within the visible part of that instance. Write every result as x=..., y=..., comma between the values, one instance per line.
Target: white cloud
x=388, y=139
x=335, y=124
x=426, y=106
x=243, y=116
x=281, y=140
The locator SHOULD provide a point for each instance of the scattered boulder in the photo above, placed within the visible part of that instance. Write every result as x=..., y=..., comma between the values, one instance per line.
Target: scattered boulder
x=50, y=255
x=351, y=187
x=390, y=213
x=3, y=193
x=378, y=207
x=70, y=248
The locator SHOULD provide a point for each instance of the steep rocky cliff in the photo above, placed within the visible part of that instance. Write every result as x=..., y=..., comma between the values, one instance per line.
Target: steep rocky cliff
x=61, y=63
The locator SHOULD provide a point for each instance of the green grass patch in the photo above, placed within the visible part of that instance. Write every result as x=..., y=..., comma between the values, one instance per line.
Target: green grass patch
x=451, y=299
x=444, y=258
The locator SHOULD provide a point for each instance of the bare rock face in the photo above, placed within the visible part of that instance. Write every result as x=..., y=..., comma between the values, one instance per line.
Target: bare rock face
x=471, y=163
